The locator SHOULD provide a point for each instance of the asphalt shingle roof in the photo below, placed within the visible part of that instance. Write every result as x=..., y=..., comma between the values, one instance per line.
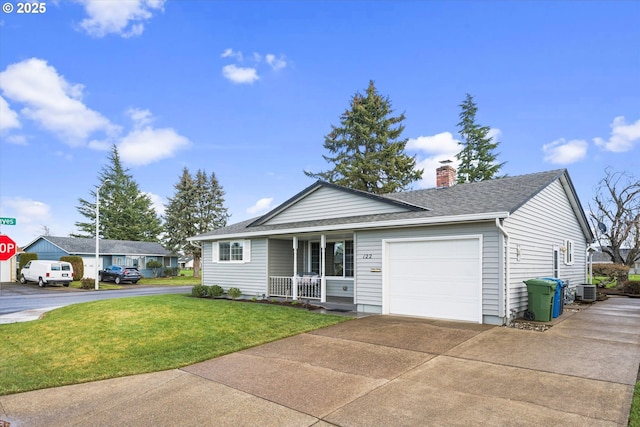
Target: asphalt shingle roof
x=73, y=245
x=498, y=195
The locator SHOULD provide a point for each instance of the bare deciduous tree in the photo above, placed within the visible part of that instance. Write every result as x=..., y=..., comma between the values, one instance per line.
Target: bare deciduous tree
x=615, y=217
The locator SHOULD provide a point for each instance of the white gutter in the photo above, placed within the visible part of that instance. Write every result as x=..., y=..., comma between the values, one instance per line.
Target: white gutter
x=408, y=222
x=505, y=285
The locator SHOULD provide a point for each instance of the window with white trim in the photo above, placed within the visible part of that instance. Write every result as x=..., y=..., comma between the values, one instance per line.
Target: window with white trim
x=339, y=258
x=232, y=251
x=568, y=252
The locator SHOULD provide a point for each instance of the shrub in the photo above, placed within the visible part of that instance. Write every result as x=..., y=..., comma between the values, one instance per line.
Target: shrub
x=199, y=291
x=613, y=272
x=155, y=266
x=632, y=287
x=215, y=291
x=25, y=258
x=87, y=283
x=77, y=263
x=234, y=293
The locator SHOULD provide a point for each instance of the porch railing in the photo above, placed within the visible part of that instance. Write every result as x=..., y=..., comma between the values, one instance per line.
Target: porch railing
x=282, y=286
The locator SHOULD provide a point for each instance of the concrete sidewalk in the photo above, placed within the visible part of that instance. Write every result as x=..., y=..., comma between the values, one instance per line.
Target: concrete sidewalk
x=379, y=370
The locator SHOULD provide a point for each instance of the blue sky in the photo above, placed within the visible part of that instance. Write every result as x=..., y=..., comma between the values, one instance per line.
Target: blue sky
x=248, y=89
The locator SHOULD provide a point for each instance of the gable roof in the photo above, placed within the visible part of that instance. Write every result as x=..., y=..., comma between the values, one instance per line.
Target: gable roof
x=322, y=184
x=81, y=246
x=476, y=201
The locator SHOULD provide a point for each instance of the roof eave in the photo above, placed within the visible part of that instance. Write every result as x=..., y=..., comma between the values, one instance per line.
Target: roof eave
x=397, y=223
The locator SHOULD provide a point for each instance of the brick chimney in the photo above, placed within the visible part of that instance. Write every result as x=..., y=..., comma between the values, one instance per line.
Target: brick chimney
x=445, y=176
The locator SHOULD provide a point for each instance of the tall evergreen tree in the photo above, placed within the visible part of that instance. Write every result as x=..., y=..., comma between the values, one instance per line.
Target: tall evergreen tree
x=126, y=213
x=478, y=162
x=196, y=207
x=366, y=149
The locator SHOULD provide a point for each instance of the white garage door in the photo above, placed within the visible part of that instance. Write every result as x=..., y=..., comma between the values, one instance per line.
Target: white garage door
x=439, y=278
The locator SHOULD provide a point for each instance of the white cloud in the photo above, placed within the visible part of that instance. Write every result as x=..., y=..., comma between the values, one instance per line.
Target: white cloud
x=157, y=203
x=27, y=211
x=52, y=102
x=564, y=152
x=275, y=63
x=123, y=17
x=441, y=143
x=261, y=205
x=140, y=117
x=147, y=145
x=623, y=136
x=230, y=53
x=31, y=216
x=495, y=134
x=431, y=151
x=8, y=117
x=240, y=75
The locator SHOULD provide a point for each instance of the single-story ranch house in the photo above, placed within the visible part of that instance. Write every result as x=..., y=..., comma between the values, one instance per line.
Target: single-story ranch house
x=457, y=251
x=126, y=253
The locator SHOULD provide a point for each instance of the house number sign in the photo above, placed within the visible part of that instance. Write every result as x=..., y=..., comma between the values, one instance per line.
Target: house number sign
x=367, y=256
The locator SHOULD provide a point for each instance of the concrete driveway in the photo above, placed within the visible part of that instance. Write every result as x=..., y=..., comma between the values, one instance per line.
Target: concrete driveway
x=379, y=370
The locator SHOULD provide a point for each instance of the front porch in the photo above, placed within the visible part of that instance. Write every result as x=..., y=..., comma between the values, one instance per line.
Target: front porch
x=319, y=268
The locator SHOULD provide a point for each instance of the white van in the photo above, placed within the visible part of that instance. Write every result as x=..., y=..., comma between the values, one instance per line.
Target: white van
x=47, y=272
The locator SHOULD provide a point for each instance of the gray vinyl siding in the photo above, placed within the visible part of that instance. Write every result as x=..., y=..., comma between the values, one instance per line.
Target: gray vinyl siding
x=46, y=250
x=369, y=274
x=547, y=220
x=335, y=287
x=326, y=203
x=249, y=277
x=281, y=257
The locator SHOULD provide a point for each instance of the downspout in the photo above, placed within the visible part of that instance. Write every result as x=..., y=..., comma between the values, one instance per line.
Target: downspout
x=507, y=271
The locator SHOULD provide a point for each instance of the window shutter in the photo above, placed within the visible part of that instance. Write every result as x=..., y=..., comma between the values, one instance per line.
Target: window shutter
x=246, y=251
x=214, y=249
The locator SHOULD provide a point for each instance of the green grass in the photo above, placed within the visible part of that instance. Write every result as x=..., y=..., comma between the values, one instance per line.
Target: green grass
x=185, y=279
x=113, y=338
x=171, y=281
x=598, y=279
x=634, y=415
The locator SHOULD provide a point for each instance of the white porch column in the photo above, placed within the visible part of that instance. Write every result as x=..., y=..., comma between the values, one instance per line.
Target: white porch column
x=294, y=282
x=323, y=280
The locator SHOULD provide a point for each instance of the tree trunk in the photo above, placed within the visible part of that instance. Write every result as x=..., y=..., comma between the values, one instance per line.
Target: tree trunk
x=196, y=265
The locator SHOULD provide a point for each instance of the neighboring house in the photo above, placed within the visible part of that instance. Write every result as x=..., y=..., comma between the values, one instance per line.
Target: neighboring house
x=185, y=262
x=112, y=252
x=600, y=257
x=458, y=251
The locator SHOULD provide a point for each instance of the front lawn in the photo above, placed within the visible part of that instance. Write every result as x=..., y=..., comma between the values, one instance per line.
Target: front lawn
x=118, y=337
x=634, y=415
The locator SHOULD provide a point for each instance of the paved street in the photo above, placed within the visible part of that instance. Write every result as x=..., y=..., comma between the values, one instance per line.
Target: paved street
x=15, y=297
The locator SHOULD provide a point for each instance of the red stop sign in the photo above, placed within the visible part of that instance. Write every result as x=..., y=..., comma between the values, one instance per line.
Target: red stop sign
x=7, y=247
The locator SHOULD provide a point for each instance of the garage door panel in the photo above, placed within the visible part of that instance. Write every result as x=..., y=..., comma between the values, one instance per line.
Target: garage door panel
x=435, y=278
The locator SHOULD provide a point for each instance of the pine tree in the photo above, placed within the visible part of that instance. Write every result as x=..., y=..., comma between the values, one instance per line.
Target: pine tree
x=126, y=213
x=477, y=159
x=365, y=149
x=196, y=207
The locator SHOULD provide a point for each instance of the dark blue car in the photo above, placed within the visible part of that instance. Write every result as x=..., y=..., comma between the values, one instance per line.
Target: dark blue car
x=118, y=274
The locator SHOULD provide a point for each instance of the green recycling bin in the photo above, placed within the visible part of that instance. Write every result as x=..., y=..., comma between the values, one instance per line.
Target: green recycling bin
x=541, y=293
